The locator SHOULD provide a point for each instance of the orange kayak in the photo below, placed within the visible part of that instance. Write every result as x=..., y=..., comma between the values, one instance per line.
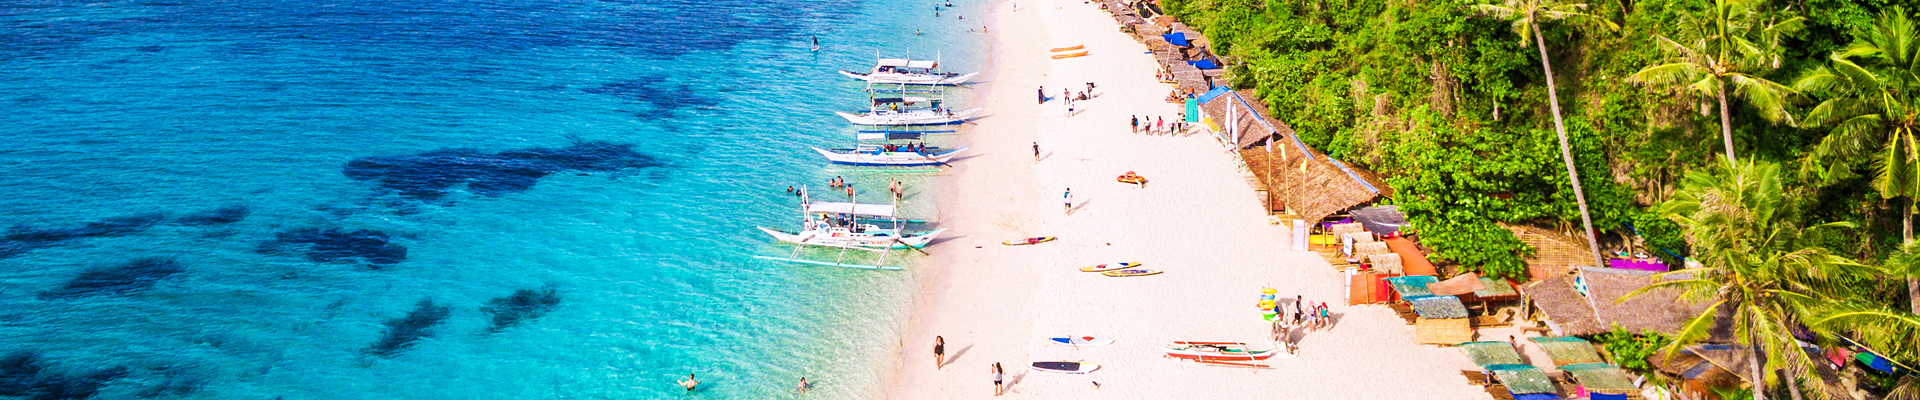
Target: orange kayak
x=1070, y=55
x=1075, y=47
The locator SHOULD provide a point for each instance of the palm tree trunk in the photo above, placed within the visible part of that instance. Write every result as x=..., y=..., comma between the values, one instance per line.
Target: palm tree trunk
x=1566, y=152
x=1793, y=384
x=1760, y=381
x=1906, y=235
x=1726, y=122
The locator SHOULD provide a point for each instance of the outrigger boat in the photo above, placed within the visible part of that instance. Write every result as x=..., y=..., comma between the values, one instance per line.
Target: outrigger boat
x=882, y=155
x=909, y=72
x=903, y=111
x=1216, y=351
x=849, y=226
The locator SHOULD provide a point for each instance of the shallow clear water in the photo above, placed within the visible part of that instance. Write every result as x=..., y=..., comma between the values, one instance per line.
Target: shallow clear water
x=242, y=198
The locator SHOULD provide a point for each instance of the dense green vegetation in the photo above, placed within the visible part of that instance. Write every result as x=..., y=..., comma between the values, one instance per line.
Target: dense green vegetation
x=1774, y=145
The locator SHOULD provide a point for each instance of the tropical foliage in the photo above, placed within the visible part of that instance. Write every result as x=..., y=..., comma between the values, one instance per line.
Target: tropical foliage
x=1772, y=141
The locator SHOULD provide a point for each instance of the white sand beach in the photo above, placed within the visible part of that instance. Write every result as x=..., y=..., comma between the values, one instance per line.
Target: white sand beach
x=1197, y=219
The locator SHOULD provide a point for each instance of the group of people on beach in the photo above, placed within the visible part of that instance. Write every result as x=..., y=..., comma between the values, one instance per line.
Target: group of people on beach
x=1159, y=125
x=1306, y=315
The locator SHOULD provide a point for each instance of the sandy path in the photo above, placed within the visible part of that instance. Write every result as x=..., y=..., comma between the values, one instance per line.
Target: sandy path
x=1198, y=220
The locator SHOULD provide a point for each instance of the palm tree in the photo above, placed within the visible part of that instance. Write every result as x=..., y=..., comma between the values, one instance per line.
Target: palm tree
x=1727, y=47
x=1527, y=16
x=1754, y=271
x=1873, y=114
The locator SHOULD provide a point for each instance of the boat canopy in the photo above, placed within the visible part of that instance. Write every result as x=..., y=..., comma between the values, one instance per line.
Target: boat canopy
x=877, y=210
x=891, y=100
x=922, y=64
x=893, y=62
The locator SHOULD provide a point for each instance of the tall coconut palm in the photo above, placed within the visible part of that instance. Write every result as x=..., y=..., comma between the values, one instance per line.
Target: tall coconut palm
x=1755, y=271
x=1725, y=48
x=1870, y=87
x=1526, y=16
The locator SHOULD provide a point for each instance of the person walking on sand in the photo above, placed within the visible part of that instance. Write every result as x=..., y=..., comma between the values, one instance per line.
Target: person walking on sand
x=1036, y=151
x=1136, y=124
x=1043, y=94
x=996, y=379
x=1069, y=209
x=1159, y=124
x=939, y=352
x=689, y=383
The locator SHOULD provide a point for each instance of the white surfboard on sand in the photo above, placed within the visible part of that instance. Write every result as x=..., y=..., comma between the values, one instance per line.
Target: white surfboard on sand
x=1081, y=341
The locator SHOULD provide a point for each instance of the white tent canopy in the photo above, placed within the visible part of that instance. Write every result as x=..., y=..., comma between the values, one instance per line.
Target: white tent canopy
x=921, y=64
x=893, y=62
x=877, y=210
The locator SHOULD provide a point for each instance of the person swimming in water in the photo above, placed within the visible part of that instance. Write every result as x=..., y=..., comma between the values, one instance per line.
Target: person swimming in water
x=689, y=383
x=803, y=386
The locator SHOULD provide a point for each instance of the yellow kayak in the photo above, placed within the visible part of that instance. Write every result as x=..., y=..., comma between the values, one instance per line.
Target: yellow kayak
x=1075, y=47
x=1070, y=55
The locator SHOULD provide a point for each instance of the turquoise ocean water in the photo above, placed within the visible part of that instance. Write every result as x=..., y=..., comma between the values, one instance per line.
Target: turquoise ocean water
x=260, y=199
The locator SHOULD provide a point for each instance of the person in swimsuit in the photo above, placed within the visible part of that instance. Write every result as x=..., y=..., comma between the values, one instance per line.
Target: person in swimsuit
x=997, y=390
x=1036, y=151
x=939, y=352
x=689, y=383
x=803, y=385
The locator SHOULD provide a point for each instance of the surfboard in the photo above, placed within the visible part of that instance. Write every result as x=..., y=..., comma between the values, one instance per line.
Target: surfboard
x=1110, y=267
x=1065, y=367
x=1075, y=47
x=1070, y=55
x=1081, y=341
x=1130, y=272
x=1027, y=241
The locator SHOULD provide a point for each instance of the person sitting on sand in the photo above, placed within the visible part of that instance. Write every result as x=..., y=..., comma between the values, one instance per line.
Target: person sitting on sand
x=689, y=383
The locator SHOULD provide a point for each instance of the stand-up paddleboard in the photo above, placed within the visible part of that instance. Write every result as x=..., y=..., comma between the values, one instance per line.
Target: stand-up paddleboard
x=1081, y=341
x=1070, y=55
x=816, y=43
x=1075, y=47
x=1110, y=267
x=1027, y=241
x=1130, y=272
x=1065, y=367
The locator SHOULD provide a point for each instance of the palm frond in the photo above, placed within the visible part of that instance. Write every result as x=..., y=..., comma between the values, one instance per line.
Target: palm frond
x=1767, y=97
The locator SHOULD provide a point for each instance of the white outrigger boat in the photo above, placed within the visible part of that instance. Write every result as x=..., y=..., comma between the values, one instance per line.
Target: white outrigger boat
x=909, y=72
x=850, y=226
x=906, y=111
x=883, y=155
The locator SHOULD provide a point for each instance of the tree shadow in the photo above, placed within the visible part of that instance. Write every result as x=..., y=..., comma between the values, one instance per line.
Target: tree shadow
x=956, y=355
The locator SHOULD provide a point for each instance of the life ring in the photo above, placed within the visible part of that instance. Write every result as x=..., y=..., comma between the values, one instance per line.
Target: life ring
x=1130, y=177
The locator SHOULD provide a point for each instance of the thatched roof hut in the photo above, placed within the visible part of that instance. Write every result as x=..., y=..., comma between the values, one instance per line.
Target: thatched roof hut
x=1310, y=184
x=1566, y=350
x=1442, y=331
x=1523, y=379
x=1490, y=353
x=1603, y=378
x=1575, y=314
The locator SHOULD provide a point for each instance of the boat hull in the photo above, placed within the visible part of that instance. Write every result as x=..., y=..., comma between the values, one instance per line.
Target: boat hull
x=919, y=117
x=887, y=159
x=904, y=241
x=912, y=79
x=1227, y=355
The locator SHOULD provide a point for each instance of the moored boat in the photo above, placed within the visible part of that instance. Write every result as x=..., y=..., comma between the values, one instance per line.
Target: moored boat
x=910, y=72
x=1216, y=351
x=880, y=155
